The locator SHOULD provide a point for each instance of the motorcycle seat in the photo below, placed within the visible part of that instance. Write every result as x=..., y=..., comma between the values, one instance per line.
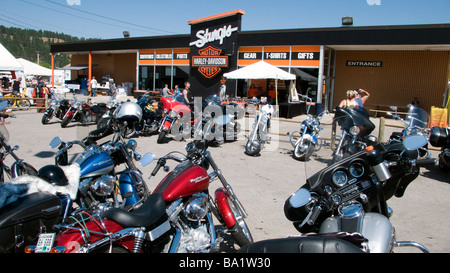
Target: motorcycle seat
x=302, y=245
x=151, y=213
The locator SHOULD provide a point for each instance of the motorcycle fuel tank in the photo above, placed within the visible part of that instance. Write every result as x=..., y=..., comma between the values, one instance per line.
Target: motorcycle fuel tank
x=185, y=180
x=96, y=164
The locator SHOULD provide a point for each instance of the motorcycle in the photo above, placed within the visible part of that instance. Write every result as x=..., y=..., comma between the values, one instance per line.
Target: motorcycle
x=176, y=217
x=83, y=112
x=111, y=106
x=31, y=201
x=151, y=115
x=309, y=139
x=57, y=107
x=440, y=137
x=416, y=122
x=101, y=184
x=344, y=206
x=215, y=122
x=356, y=128
x=128, y=116
x=176, y=117
x=260, y=132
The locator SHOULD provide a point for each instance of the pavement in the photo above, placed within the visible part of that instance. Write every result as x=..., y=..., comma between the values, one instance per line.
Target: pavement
x=264, y=182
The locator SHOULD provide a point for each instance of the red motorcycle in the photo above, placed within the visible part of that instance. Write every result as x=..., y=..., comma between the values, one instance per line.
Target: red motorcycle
x=83, y=112
x=175, y=116
x=176, y=218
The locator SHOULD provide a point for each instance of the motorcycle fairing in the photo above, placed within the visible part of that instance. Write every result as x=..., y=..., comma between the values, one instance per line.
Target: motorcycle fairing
x=348, y=118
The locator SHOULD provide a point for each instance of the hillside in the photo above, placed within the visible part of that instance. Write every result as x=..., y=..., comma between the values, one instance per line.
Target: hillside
x=28, y=44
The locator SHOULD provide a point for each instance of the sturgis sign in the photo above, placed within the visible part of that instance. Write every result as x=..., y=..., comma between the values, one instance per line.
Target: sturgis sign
x=213, y=50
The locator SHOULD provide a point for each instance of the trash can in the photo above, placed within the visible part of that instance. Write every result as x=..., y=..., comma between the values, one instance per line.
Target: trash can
x=319, y=108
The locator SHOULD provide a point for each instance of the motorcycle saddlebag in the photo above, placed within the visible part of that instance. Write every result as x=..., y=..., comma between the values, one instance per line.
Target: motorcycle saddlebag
x=22, y=221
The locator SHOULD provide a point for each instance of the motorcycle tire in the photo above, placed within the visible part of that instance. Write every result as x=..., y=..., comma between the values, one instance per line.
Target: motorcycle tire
x=65, y=121
x=46, y=118
x=241, y=232
x=102, y=122
x=303, y=155
x=252, y=148
x=161, y=137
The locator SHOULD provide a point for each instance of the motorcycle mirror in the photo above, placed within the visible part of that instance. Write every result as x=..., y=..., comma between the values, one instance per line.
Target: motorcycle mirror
x=394, y=108
x=147, y=159
x=55, y=142
x=3, y=105
x=414, y=142
x=300, y=198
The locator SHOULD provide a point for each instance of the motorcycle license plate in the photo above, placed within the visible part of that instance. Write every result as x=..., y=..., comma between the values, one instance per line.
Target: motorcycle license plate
x=45, y=242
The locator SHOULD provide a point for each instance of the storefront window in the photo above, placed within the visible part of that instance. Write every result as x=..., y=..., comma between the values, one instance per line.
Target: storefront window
x=306, y=81
x=155, y=77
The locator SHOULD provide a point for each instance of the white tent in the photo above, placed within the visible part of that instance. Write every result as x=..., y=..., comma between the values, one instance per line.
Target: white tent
x=7, y=61
x=261, y=70
x=32, y=69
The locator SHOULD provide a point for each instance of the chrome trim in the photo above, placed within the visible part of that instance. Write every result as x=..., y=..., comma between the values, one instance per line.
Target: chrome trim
x=159, y=230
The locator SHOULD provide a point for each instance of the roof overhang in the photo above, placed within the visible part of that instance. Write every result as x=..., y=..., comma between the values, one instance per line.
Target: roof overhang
x=443, y=47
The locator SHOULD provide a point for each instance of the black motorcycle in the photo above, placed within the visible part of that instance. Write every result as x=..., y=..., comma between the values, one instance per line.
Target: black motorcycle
x=440, y=137
x=152, y=114
x=57, y=107
x=343, y=207
x=356, y=128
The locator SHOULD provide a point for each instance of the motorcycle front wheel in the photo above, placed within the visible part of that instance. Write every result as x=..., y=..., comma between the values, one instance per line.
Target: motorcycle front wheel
x=240, y=231
x=252, y=148
x=46, y=118
x=65, y=121
x=161, y=136
x=303, y=152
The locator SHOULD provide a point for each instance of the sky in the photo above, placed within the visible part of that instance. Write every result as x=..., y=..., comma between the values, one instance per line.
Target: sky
x=107, y=19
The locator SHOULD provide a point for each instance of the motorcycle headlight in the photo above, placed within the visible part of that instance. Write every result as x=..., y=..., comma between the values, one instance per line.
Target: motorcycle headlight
x=103, y=186
x=172, y=114
x=354, y=130
x=196, y=208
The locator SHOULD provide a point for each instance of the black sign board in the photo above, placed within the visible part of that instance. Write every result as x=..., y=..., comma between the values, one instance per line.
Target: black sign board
x=365, y=63
x=213, y=49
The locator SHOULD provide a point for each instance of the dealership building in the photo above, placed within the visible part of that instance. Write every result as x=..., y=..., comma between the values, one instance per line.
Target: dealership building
x=393, y=63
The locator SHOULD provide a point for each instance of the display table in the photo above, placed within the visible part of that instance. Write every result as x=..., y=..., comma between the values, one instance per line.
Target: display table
x=290, y=110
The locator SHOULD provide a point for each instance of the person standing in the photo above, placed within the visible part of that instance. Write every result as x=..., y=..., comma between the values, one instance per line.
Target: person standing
x=223, y=89
x=166, y=91
x=16, y=85
x=361, y=97
x=93, y=86
x=349, y=102
x=187, y=93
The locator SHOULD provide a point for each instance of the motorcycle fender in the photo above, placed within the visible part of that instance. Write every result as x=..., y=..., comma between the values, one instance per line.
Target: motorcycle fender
x=72, y=239
x=221, y=197
x=69, y=114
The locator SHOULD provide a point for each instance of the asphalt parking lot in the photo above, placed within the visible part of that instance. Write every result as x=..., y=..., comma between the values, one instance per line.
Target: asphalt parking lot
x=263, y=183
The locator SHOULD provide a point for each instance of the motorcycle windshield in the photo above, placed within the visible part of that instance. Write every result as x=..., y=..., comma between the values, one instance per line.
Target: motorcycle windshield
x=347, y=117
x=417, y=118
x=88, y=152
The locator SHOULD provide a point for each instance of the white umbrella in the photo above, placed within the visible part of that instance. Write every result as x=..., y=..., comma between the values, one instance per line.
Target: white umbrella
x=261, y=70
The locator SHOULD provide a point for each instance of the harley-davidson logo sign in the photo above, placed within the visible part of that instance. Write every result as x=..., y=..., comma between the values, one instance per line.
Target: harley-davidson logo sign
x=209, y=61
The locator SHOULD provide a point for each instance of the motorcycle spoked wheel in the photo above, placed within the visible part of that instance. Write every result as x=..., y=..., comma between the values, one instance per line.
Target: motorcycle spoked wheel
x=303, y=152
x=240, y=231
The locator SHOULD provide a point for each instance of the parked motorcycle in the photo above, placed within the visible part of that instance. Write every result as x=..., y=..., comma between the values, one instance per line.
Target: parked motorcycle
x=57, y=107
x=344, y=206
x=177, y=217
x=440, y=137
x=101, y=184
x=31, y=201
x=416, y=122
x=111, y=106
x=260, y=132
x=309, y=139
x=215, y=122
x=176, y=120
x=356, y=128
x=152, y=113
x=128, y=116
x=83, y=112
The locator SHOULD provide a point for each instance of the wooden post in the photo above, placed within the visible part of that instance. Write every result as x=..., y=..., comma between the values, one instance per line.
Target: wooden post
x=381, y=130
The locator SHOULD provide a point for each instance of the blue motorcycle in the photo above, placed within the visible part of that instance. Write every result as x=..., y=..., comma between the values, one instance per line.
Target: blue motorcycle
x=309, y=139
x=101, y=186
